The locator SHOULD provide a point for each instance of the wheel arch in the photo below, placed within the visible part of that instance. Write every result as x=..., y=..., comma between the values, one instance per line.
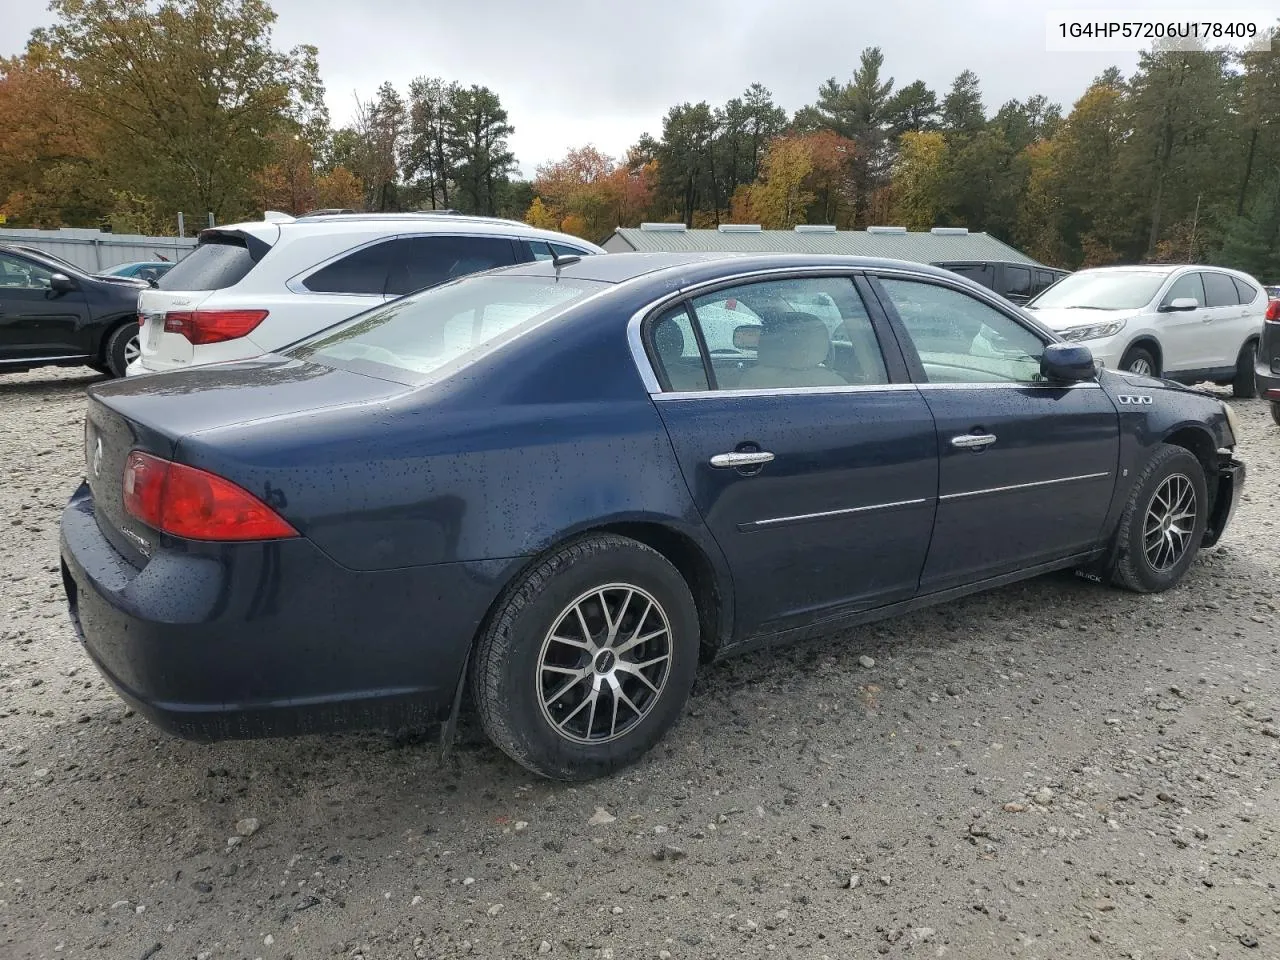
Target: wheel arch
x=108, y=328
x=1201, y=444
x=1150, y=343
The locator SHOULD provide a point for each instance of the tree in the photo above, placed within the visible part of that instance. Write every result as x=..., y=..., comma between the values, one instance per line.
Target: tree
x=539, y=216
x=477, y=138
x=1252, y=241
x=919, y=180
x=339, y=189
x=962, y=111
x=686, y=160
x=429, y=161
x=778, y=201
x=914, y=108
x=380, y=130
x=183, y=92
x=764, y=120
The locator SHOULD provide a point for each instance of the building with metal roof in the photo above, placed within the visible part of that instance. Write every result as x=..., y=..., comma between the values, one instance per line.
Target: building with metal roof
x=941, y=244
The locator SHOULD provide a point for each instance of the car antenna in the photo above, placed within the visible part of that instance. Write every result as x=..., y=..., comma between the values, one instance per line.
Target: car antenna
x=559, y=260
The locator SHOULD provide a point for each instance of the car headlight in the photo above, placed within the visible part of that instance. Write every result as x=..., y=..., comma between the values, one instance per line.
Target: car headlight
x=1233, y=420
x=1092, y=331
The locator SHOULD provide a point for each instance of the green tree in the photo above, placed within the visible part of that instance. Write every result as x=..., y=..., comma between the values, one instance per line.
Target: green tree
x=477, y=137
x=919, y=180
x=428, y=160
x=1252, y=242
x=913, y=108
x=962, y=111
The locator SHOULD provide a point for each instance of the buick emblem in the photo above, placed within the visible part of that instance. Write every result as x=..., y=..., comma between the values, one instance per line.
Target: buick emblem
x=97, y=459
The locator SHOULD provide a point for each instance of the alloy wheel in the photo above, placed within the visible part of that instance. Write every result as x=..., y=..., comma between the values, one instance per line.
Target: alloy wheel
x=1170, y=520
x=132, y=350
x=1140, y=365
x=604, y=663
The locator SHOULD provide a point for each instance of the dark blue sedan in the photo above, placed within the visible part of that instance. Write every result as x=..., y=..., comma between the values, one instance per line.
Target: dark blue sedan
x=567, y=483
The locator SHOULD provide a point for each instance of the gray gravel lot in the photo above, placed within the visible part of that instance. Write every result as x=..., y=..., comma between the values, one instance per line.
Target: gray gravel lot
x=1051, y=770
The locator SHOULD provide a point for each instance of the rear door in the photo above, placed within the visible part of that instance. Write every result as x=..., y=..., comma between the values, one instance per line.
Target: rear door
x=1228, y=321
x=1026, y=468
x=817, y=472
x=35, y=321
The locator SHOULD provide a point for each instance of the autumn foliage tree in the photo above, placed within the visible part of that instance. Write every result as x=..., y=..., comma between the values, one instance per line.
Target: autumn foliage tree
x=588, y=193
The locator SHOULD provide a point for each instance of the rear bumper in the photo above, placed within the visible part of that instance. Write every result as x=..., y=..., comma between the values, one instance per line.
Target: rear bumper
x=1266, y=373
x=268, y=639
x=1231, y=477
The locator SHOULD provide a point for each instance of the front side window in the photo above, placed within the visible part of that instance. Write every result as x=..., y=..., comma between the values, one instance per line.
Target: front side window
x=781, y=334
x=960, y=339
x=430, y=335
x=1219, y=291
x=1186, y=287
x=23, y=274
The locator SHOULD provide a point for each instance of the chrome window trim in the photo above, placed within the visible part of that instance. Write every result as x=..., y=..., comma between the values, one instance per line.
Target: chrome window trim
x=295, y=284
x=1021, y=486
x=847, y=511
x=782, y=391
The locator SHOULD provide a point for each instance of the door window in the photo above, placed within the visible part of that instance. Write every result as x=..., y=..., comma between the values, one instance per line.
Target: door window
x=1187, y=286
x=16, y=274
x=982, y=273
x=675, y=348
x=1018, y=281
x=962, y=340
x=781, y=334
x=405, y=264
x=1219, y=291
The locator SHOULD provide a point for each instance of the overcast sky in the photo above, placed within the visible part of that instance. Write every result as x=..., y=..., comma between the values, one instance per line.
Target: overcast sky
x=604, y=73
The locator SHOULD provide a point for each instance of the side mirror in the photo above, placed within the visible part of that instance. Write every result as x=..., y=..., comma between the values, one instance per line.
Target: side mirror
x=1181, y=304
x=1067, y=363
x=61, y=283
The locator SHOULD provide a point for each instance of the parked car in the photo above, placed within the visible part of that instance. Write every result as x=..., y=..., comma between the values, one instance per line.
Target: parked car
x=1016, y=282
x=1267, y=369
x=149, y=270
x=1273, y=293
x=54, y=314
x=1186, y=323
x=540, y=481
x=250, y=288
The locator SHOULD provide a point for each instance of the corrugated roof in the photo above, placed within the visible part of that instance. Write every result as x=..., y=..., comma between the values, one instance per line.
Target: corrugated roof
x=920, y=247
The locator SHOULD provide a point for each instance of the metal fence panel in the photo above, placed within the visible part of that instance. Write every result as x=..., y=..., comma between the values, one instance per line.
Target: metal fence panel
x=93, y=250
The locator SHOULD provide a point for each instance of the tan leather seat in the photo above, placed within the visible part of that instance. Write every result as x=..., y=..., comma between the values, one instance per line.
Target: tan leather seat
x=793, y=347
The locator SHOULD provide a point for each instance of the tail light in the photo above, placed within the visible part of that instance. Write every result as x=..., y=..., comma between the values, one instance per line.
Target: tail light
x=212, y=326
x=1273, y=311
x=194, y=504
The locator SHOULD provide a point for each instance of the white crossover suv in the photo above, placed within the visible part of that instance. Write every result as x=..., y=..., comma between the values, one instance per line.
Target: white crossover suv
x=1186, y=323
x=251, y=288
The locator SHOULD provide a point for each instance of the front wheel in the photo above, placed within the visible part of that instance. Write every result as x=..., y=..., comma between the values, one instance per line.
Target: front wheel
x=122, y=349
x=1140, y=360
x=588, y=659
x=1244, y=385
x=1163, y=523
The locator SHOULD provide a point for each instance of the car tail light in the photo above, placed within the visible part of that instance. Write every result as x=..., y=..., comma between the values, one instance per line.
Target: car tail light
x=194, y=504
x=1273, y=311
x=212, y=326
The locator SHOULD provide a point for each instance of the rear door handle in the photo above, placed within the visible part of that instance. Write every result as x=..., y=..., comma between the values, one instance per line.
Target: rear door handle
x=739, y=459
x=973, y=441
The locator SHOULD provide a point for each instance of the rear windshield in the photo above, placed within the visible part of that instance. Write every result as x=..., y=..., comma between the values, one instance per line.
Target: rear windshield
x=214, y=264
x=431, y=335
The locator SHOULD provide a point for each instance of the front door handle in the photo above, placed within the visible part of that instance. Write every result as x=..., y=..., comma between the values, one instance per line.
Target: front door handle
x=739, y=459
x=973, y=441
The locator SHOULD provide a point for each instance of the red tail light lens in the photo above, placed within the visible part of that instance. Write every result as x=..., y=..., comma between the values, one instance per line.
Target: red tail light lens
x=194, y=504
x=212, y=326
x=1273, y=311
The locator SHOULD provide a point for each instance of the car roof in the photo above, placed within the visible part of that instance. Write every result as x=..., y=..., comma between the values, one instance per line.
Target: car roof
x=694, y=267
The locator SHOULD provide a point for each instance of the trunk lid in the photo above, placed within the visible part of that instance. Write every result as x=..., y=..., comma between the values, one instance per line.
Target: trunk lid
x=154, y=413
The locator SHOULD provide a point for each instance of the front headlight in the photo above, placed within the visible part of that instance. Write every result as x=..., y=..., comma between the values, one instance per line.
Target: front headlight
x=1233, y=420
x=1092, y=331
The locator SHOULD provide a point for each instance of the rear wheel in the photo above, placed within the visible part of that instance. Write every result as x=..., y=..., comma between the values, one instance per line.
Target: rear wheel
x=1140, y=360
x=122, y=349
x=1163, y=523
x=1244, y=385
x=588, y=660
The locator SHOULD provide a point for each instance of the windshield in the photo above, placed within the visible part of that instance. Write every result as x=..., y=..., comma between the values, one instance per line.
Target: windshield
x=430, y=335
x=1101, y=290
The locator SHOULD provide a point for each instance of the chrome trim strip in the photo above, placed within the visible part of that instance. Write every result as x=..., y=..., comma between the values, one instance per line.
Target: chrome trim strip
x=1021, y=486
x=1014, y=385
x=782, y=391
x=778, y=521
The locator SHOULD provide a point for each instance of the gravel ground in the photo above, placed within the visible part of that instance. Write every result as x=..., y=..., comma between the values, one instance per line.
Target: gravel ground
x=1051, y=770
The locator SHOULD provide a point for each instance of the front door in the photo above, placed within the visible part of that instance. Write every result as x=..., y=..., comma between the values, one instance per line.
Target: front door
x=812, y=461
x=1184, y=333
x=1026, y=469
x=35, y=321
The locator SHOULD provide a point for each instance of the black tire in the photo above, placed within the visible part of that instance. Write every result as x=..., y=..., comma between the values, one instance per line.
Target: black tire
x=1133, y=567
x=507, y=674
x=117, y=352
x=1275, y=412
x=1136, y=356
x=1244, y=385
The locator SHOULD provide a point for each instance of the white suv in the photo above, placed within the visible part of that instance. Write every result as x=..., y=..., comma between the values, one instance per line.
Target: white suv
x=251, y=288
x=1187, y=323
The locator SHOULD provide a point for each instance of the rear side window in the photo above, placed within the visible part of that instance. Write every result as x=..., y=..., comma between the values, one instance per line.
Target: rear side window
x=1043, y=280
x=405, y=264
x=1219, y=291
x=213, y=265
x=1246, y=291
